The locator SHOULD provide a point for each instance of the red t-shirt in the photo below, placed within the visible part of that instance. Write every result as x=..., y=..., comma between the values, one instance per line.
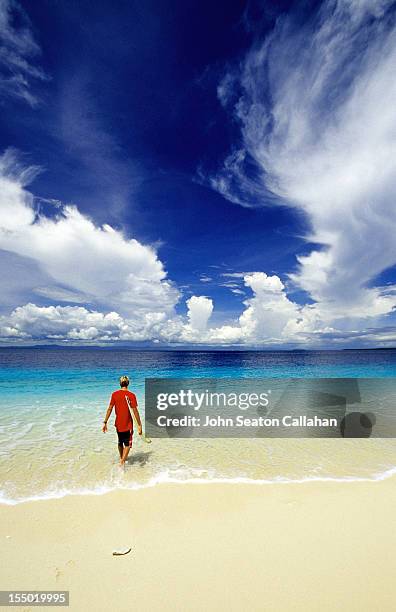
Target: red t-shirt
x=123, y=420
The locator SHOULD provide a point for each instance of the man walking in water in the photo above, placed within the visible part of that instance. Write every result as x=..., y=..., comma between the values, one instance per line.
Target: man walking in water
x=123, y=401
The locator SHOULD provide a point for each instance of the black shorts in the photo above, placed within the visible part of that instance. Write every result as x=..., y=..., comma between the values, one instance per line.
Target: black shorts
x=125, y=438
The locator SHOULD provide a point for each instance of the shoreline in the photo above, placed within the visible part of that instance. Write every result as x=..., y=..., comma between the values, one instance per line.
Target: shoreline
x=287, y=546
x=163, y=480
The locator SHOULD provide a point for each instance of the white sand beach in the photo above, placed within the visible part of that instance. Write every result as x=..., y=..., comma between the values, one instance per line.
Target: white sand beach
x=311, y=546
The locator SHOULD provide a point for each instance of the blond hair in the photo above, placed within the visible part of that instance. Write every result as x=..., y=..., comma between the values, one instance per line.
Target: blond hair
x=124, y=381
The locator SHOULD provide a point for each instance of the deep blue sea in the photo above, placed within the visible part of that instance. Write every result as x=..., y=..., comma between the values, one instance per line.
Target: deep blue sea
x=52, y=403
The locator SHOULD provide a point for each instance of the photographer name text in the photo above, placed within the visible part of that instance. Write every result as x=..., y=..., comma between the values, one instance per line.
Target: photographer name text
x=242, y=421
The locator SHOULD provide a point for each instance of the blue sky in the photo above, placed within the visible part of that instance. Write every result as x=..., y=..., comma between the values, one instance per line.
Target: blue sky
x=184, y=173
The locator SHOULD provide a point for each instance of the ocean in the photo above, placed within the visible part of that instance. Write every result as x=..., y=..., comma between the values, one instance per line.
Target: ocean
x=53, y=401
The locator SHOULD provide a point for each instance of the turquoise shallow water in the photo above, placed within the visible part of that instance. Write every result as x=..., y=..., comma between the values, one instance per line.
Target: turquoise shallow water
x=52, y=403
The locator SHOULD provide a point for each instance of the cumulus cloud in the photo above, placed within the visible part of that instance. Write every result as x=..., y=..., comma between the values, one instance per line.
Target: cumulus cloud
x=58, y=322
x=80, y=261
x=199, y=311
x=80, y=325
x=102, y=286
x=318, y=122
x=17, y=50
x=269, y=310
x=270, y=318
x=77, y=324
x=266, y=316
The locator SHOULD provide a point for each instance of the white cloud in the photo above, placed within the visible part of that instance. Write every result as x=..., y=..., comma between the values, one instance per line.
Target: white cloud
x=17, y=49
x=58, y=322
x=266, y=314
x=60, y=295
x=199, y=311
x=226, y=89
x=269, y=310
x=79, y=260
x=78, y=324
x=240, y=275
x=269, y=319
x=318, y=121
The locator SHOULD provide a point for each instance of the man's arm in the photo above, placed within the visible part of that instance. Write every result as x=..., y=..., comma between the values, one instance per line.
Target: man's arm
x=108, y=413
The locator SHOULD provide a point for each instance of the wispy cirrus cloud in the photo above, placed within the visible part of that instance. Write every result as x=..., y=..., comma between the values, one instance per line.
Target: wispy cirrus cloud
x=204, y=278
x=316, y=106
x=18, y=52
x=83, y=131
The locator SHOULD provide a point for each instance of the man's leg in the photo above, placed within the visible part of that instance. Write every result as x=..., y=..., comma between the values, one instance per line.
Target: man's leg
x=125, y=438
x=125, y=454
x=128, y=446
